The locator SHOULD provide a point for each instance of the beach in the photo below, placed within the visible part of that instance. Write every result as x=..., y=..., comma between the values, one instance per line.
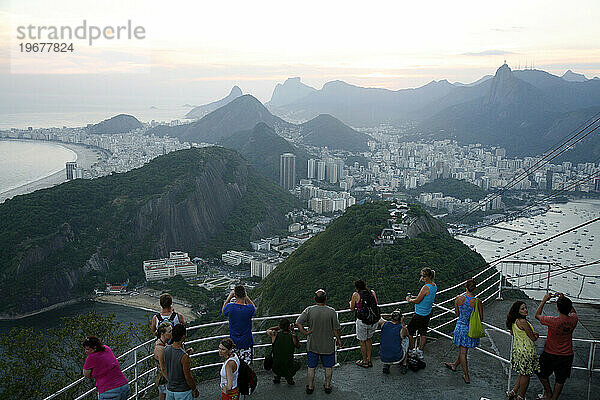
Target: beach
x=146, y=302
x=86, y=157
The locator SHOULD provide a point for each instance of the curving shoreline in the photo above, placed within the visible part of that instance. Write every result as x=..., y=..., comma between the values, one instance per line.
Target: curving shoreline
x=85, y=157
x=146, y=303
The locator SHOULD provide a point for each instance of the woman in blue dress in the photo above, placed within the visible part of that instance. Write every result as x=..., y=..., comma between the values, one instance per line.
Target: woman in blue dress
x=463, y=307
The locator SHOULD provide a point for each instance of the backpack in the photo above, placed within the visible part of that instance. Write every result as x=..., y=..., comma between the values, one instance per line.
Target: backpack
x=369, y=312
x=415, y=364
x=247, y=380
x=161, y=318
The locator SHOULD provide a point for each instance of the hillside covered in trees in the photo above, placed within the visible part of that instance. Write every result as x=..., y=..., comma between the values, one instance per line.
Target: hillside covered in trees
x=58, y=243
x=335, y=258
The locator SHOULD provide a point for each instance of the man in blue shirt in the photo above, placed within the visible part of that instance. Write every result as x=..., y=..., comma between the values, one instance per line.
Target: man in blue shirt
x=240, y=313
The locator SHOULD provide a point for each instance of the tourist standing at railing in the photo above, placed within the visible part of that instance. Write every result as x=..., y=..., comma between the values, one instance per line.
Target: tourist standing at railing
x=364, y=302
x=167, y=313
x=525, y=360
x=285, y=341
x=323, y=324
x=558, y=354
x=102, y=365
x=240, y=315
x=423, y=302
x=181, y=384
x=394, y=342
x=229, y=371
x=163, y=336
x=464, y=305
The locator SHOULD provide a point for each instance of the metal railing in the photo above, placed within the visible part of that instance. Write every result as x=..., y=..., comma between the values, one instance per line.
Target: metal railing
x=142, y=379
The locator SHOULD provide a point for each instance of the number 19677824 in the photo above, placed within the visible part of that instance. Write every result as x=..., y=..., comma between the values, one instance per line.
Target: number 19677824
x=46, y=47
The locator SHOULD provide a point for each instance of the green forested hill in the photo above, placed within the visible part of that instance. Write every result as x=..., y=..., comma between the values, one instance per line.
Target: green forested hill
x=333, y=259
x=59, y=242
x=261, y=146
x=453, y=187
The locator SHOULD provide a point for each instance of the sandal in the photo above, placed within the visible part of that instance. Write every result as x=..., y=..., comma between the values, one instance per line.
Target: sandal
x=466, y=381
x=450, y=366
x=361, y=363
x=511, y=395
x=327, y=389
x=309, y=390
x=370, y=364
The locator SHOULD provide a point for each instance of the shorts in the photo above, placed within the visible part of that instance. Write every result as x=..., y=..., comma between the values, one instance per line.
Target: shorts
x=233, y=395
x=312, y=359
x=419, y=323
x=364, y=331
x=119, y=393
x=559, y=365
x=162, y=389
x=402, y=355
x=187, y=395
x=245, y=354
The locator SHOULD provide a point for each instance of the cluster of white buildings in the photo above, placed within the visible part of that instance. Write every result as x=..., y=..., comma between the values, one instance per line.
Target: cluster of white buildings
x=452, y=204
x=324, y=201
x=178, y=263
x=396, y=165
x=127, y=151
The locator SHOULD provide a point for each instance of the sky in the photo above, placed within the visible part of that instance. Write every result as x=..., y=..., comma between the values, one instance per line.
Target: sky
x=195, y=51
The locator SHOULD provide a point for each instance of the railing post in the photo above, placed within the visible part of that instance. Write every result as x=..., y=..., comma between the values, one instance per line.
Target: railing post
x=509, y=366
x=591, y=367
x=548, y=279
x=135, y=362
x=500, y=282
x=335, y=353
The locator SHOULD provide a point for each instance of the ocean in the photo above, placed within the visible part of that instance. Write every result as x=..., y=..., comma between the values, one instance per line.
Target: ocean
x=569, y=250
x=23, y=162
x=51, y=319
x=80, y=118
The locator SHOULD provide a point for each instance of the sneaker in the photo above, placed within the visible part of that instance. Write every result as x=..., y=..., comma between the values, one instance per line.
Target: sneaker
x=420, y=354
x=403, y=369
x=386, y=369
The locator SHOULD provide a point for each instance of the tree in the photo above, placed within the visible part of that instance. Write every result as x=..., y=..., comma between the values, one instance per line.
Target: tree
x=36, y=363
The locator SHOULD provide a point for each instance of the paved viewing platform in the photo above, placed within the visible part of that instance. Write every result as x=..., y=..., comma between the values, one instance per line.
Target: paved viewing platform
x=488, y=375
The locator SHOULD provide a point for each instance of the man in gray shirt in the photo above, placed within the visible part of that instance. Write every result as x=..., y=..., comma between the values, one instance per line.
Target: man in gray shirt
x=323, y=324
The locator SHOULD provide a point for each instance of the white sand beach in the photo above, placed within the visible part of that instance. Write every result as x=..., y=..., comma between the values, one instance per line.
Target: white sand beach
x=86, y=157
x=145, y=302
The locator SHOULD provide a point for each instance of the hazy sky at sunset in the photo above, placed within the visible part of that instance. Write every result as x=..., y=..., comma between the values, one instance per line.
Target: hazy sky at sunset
x=194, y=51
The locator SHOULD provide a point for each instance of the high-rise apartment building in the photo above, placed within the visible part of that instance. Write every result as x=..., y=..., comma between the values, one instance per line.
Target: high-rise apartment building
x=549, y=176
x=71, y=166
x=287, y=171
x=321, y=170
x=312, y=167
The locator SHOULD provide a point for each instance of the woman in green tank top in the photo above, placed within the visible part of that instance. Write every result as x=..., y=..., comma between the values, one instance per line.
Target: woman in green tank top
x=285, y=341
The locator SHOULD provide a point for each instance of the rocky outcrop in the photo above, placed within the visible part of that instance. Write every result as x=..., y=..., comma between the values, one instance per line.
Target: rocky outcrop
x=426, y=224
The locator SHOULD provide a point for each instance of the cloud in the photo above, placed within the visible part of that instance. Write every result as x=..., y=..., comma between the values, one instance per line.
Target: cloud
x=509, y=29
x=488, y=53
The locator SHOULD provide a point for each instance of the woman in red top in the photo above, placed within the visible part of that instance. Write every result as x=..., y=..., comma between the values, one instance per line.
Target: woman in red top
x=102, y=365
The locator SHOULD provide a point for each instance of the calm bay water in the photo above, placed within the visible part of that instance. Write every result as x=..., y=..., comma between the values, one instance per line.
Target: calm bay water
x=23, y=162
x=51, y=319
x=572, y=249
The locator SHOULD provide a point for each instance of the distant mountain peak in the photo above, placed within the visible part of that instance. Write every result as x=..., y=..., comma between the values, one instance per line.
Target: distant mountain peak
x=201, y=111
x=121, y=123
x=571, y=76
x=290, y=91
x=504, y=70
x=235, y=91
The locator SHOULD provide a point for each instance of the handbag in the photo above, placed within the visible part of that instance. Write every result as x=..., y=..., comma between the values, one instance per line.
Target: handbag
x=475, y=326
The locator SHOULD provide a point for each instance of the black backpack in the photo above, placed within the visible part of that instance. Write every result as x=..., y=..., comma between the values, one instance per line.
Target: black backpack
x=369, y=310
x=247, y=380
